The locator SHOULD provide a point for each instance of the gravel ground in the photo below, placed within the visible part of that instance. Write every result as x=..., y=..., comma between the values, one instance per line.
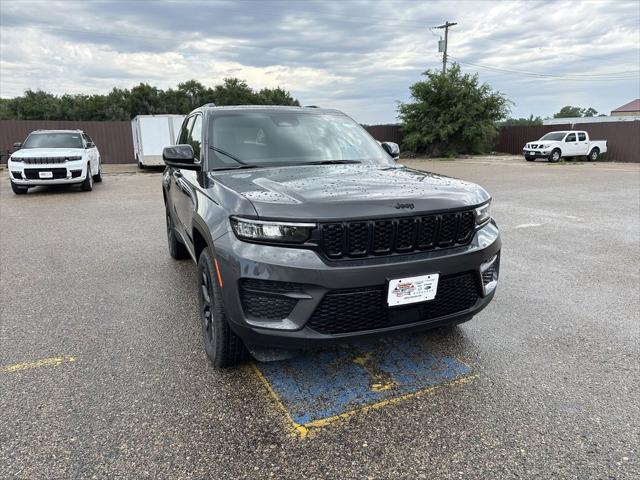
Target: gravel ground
x=86, y=277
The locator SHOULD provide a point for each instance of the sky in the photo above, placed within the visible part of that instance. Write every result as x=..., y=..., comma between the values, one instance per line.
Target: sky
x=359, y=56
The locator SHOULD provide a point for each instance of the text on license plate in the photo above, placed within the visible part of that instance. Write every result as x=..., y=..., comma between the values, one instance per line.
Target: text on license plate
x=45, y=174
x=404, y=291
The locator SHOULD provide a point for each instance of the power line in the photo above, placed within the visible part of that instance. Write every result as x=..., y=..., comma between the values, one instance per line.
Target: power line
x=625, y=75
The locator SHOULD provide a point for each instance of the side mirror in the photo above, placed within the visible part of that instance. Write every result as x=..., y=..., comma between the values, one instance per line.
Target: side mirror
x=90, y=145
x=392, y=149
x=17, y=146
x=180, y=156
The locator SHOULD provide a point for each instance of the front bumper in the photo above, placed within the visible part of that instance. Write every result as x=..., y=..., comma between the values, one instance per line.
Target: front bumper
x=310, y=278
x=536, y=153
x=63, y=173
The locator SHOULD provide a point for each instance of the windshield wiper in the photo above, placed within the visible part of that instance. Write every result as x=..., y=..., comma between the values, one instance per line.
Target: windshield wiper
x=232, y=157
x=235, y=167
x=331, y=162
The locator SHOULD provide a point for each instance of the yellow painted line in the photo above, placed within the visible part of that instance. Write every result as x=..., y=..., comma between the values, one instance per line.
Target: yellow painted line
x=303, y=430
x=379, y=381
x=45, y=362
x=390, y=401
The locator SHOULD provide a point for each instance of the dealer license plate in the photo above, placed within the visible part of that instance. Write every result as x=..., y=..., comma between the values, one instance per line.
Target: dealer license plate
x=45, y=174
x=404, y=291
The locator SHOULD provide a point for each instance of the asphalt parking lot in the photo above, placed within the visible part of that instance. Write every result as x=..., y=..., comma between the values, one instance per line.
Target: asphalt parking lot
x=103, y=374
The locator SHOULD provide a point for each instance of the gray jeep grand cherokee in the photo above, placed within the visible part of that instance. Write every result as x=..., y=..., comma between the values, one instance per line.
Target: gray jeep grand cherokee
x=306, y=231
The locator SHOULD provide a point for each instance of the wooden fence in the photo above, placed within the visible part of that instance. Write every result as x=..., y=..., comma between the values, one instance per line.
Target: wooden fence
x=623, y=138
x=116, y=146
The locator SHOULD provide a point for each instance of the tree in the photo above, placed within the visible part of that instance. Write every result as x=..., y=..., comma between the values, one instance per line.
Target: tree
x=589, y=112
x=276, y=96
x=451, y=113
x=233, y=91
x=124, y=104
x=571, y=112
x=512, y=122
x=36, y=105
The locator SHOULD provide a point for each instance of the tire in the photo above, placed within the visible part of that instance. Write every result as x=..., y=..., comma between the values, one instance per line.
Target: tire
x=140, y=165
x=593, y=155
x=555, y=156
x=177, y=249
x=87, y=183
x=224, y=348
x=98, y=177
x=19, y=189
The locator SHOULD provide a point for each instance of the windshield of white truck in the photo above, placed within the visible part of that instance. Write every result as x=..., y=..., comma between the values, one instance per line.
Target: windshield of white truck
x=278, y=139
x=53, y=140
x=554, y=136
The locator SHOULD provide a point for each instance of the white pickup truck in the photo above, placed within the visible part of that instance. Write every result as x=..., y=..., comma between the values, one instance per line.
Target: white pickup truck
x=566, y=143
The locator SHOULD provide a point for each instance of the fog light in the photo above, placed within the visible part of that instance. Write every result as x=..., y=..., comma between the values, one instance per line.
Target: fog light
x=489, y=272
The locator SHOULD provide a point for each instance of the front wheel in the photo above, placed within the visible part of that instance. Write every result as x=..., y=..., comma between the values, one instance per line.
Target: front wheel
x=87, y=183
x=224, y=348
x=98, y=177
x=555, y=156
x=593, y=155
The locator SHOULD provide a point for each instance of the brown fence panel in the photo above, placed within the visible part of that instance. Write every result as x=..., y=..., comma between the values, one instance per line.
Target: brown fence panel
x=385, y=133
x=112, y=138
x=623, y=138
x=116, y=145
x=512, y=139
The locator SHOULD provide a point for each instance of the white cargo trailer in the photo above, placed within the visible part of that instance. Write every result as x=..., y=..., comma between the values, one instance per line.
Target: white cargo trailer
x=151, y=133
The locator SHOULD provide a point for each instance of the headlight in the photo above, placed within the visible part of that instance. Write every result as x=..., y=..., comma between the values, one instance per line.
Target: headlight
x=263, y=231
x=544, y=146
x=483, y=213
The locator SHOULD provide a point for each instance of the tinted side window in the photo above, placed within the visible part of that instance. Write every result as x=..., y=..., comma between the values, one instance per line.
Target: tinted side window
x=571, y=137
x=195, y=137
x=582, y=136
x=184, y=131
x=87, y=138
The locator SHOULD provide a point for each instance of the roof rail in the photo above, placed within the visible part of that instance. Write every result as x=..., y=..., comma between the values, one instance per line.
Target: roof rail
x=311, y=106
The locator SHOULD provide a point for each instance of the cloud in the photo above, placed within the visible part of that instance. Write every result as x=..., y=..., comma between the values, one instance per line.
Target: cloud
x=359, y=56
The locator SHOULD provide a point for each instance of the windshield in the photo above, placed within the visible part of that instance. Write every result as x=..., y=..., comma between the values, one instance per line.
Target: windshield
x=554, y=136
x=291, y=138
x=53, y=140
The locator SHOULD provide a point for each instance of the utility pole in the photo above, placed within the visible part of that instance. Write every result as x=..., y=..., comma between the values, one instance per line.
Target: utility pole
x=446, y=26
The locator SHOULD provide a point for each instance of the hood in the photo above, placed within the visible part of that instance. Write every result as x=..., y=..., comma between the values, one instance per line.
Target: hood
x=47, y=152
x=330, y=192
x=538, y=143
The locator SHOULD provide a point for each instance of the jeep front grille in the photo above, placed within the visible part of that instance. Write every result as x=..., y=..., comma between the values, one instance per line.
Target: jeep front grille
x=396, y=235
x=47, y=160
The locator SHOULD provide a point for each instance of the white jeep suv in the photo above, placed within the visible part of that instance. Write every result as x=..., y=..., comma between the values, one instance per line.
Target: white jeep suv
x=53, y=157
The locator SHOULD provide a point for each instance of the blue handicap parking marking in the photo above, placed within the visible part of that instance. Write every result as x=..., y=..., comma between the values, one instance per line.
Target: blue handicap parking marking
x=325, y=384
